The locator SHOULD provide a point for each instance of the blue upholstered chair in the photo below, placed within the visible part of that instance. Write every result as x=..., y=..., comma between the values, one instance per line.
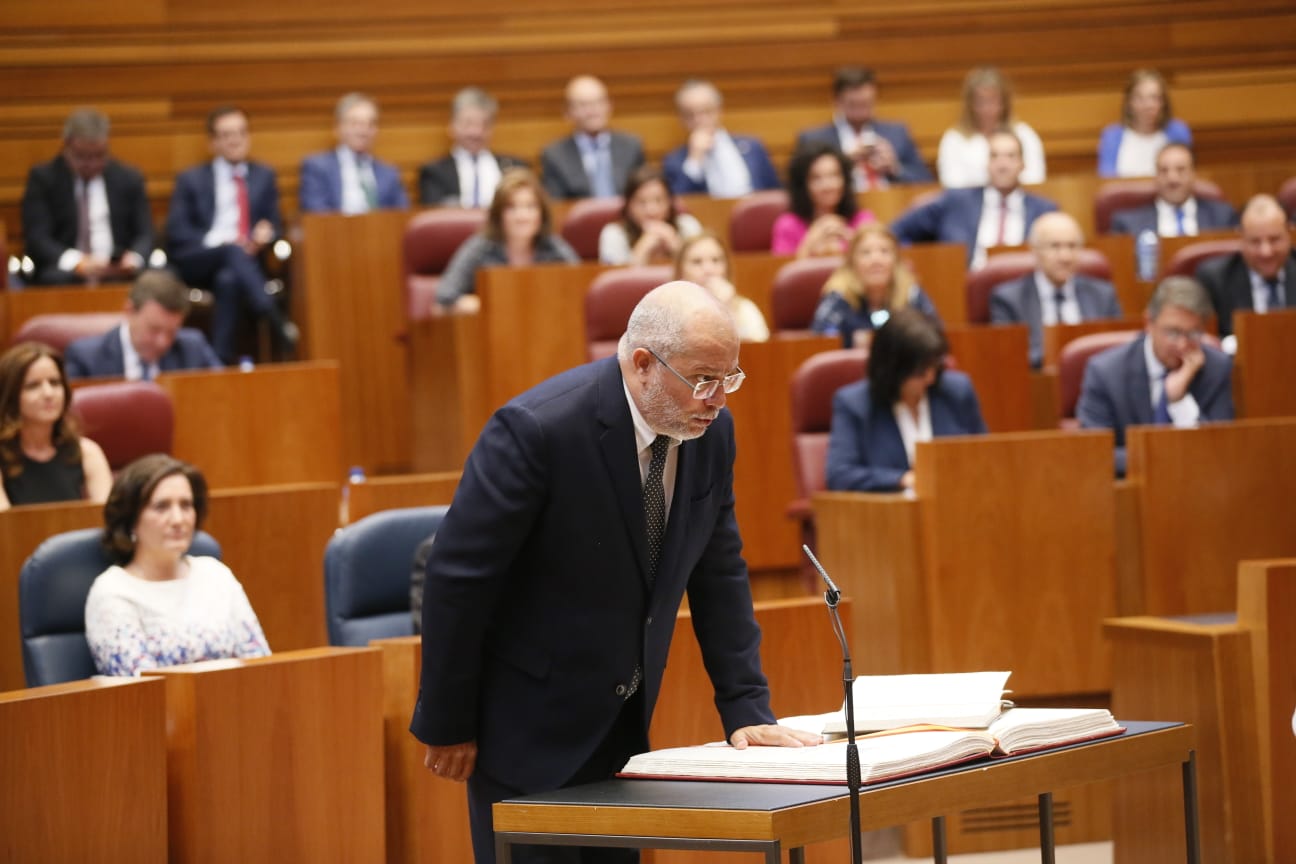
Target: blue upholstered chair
x=52, y=589
x=367, y=574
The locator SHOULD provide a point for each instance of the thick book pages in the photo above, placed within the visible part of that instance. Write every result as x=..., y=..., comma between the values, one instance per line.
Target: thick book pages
x=1023, y=730
x=962, y=699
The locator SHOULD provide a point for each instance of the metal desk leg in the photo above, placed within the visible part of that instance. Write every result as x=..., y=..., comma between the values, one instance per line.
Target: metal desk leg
x=1192, y=833
x=1046, y=828
x=939, y=853
x=796, y=855
x=503, y=851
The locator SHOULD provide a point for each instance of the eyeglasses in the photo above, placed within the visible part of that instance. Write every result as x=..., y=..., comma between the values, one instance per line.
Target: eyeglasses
x=1174, y=334
x=707, y=387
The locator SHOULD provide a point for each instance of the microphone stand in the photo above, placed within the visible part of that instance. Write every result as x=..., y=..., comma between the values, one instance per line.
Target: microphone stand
x=831, y=598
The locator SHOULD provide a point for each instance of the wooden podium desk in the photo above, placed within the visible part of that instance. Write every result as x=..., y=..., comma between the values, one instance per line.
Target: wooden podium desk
x=1266, y=354
x=769, y=818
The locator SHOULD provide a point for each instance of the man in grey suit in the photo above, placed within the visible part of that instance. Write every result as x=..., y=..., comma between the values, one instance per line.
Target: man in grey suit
x=1262, y=276
x=1166, y=376
x=1176, y=211
x=1053, y=293
x=594, y=161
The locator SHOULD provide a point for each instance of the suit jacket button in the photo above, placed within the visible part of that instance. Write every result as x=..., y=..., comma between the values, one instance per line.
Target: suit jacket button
x=620, y=690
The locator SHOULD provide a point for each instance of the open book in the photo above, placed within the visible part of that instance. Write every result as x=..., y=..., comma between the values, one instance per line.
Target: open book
x=884, y=755
x=963, y=699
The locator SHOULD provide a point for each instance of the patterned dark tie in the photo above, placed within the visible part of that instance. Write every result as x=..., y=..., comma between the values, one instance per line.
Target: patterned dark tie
x=1161, y=410
x=654, y=501
x=1271, y=287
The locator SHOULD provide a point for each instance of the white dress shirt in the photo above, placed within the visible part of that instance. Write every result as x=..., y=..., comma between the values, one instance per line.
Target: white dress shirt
x=1014, y=226
x=1049, y=312
x=644, y=437
x=1185, y=413
x=483, y=170
x=723, y=168
x=1168, y=222
x=1260, y=291
x=912, y=431
x=963, y=161
x=225, y=221
x=849, y=139
x=134, y=368
x=354, y=199
x=1137, y=154
x=101, y=236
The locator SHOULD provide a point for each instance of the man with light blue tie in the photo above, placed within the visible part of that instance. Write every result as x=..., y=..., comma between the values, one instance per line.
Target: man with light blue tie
x=594, y=161
x=1176, y=211
x=1166, y=376
x=713, y=162
x=349, y=179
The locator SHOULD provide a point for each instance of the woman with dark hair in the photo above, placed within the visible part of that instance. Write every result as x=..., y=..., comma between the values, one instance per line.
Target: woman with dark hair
x=518, y=232
x=157, y=605
x=42, y=458
x=1129, y=148
x=704, y=260
x=824, y=213
x=907, y=397
x=871, y=284
x=650, y=229
x=964, y=155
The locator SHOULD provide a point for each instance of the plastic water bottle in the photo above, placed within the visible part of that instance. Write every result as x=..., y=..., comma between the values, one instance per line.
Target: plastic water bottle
x=355, y=475
x=1146, y=255
x=246, y=364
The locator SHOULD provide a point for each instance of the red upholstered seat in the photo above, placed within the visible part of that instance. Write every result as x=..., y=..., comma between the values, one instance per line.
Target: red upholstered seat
x=1014, y=265
x=1188, y=258
x=58, y=330
x=430, y=241
x=584, y=222
x=797, y=289
x=1287, y=198
x=1071, y=366
x=751, y=222
x=128, y=419
x=1118, y=195
x=612, y=297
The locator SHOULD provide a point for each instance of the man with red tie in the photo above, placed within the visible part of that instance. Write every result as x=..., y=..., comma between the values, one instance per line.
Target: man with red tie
x=223, y=216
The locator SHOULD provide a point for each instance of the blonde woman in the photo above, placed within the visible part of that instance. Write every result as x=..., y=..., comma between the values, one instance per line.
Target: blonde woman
x=987, y=108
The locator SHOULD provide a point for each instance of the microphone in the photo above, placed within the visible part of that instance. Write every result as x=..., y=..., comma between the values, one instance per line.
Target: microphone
x=832, y=595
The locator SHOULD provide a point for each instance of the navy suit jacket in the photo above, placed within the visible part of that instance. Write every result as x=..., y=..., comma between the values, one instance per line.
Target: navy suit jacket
x=1018, y=302
x=754, y=154
x=1212, y=215
x=193, y=205
x=1115, y=393
x=564, y=171
x=955, y=217
x=1228, y=281
x=439, y=180
x=101, y=356
x=536, y=605
x=865, y=450
x=912, y=168
x=49, y=213
x=321, y=184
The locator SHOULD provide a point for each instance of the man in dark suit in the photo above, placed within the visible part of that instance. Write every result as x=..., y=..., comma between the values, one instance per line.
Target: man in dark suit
x=1165, y=376
x=1054, y=293
x=1000, y=214
x=348, y=179
x=1176, y=211
x=149, y=341
x=594, y=161
x=882, y=152
x=588, y=506
x=467, y=177
x=713, y=162
x=1262, y=276
x=224, y=215
x=85, y=215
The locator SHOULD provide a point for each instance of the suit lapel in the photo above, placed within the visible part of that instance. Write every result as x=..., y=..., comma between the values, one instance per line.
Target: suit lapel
x=577, y=179
x=1136, y=383
x=680, y=508
x=620, y=459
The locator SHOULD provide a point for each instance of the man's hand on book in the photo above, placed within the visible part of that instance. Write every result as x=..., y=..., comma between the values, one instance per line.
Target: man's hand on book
x=770, y=735
x=455, y=762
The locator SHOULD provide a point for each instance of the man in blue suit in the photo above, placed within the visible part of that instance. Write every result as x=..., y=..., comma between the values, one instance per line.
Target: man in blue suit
x=883, y=152
x=1000, y=214
x=588, y=506
x=348, y=179
x=224, y=215
x=595, y=161
x=1054, y=292
x=713, y=162
x=1166, y=376
x=1176, y=211
x=149, y=341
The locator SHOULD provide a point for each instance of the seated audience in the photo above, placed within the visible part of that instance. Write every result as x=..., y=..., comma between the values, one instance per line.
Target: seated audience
x=650, y=229
x=965, y=149
x=1176, y=211
x=1129, y=148
x=1165, y=376
x=85, y=216
x=467, y=177
x=704, y=260
x=824, y=212
x=595, y=160
x=518, y=232
x=907, y=397
x=870, y=285
x=881, y=152
x=999, y=214
x=149, y=341
x=1260, y=277
x=713, y=162
x=1054, y=293
x=42, y=458
x=348, y=179
x=224, y=216
x=157, y=605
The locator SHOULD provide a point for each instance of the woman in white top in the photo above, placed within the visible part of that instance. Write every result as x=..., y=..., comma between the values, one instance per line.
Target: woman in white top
x=704, y=260
x=650, y=229
x=157, y=605
x=965, y=150
x=1129, y=148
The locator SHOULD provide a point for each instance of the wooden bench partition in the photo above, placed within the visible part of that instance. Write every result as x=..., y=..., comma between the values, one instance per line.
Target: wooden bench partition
x=1266, y=350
